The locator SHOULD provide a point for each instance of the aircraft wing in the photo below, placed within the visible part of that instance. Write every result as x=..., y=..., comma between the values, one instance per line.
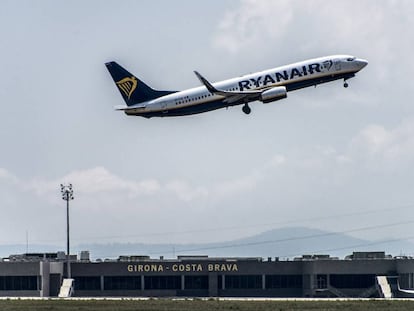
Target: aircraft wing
x=230, y=96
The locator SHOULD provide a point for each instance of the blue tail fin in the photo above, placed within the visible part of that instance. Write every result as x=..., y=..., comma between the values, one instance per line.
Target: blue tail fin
x=132, y=89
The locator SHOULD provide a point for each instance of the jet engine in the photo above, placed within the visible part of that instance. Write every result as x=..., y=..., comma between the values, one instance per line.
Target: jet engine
x=273, y=94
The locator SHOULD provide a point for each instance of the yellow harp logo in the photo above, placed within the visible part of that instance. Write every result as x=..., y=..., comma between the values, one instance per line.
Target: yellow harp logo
x=127, y=86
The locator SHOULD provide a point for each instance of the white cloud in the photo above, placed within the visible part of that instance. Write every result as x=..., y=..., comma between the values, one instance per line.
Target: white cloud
x=185, y=191
x=315, y=26
x=250, y=181
x=372, y=139
x=99, y=180
x=238, y=185
x=7, y=177
x=374, y=147
x=92, y=181
x=277, y=160
x=389, y=148
x=252, y=22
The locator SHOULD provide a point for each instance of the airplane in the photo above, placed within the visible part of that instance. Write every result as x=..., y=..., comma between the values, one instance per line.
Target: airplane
x=265, y=86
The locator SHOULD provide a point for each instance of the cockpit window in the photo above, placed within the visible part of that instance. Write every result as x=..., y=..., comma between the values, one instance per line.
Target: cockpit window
x=350, y=59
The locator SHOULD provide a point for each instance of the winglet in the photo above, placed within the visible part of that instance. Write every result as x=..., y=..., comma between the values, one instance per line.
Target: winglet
x=207, y=84
x=230, y=96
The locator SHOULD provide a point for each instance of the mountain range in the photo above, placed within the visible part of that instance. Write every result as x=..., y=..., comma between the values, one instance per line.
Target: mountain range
x=283, y=243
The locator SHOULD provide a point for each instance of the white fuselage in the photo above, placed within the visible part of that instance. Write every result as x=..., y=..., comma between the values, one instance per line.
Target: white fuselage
x=292, y=77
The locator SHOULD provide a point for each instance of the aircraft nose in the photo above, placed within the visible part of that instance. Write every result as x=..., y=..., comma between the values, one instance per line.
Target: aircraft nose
x=361, y=63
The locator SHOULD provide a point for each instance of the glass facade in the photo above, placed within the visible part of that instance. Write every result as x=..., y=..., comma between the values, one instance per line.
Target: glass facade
x=352, y=280
x=88, y=283
x=243, y=281
x=284, y=281
x=162, y=282
x=122, y=283
x=196, y=282
x=16, y=283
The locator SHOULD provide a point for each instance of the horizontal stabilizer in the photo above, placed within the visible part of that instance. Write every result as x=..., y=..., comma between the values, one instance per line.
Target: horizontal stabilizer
x=123, y=107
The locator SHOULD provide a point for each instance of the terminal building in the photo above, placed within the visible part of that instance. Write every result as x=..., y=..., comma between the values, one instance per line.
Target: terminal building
x=362, y=274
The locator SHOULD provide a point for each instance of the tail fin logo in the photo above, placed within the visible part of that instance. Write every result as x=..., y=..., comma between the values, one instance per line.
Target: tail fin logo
x=127, y=85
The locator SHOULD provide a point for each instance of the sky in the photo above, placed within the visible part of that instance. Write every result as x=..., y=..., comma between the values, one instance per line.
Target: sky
x=328, y=158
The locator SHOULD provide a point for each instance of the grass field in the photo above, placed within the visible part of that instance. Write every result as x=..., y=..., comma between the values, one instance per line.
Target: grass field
x=201, y=305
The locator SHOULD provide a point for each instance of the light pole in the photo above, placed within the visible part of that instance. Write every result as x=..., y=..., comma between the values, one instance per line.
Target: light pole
x=67, y=195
